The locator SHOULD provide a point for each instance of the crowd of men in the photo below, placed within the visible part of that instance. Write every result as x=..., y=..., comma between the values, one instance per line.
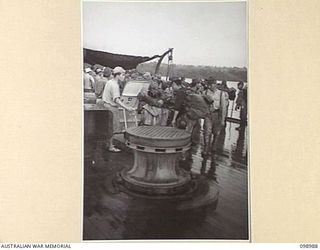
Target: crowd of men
x=174, y=102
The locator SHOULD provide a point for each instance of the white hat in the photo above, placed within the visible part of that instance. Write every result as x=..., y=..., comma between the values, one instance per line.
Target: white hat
x=87, y=70
x=118, y=70
x=147, y=76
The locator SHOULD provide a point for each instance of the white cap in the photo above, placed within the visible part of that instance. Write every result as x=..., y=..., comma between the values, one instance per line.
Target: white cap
x=87, y=70
x=118, y=70
x=147, y=76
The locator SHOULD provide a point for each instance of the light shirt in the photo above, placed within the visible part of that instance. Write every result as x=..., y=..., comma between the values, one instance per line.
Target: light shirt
x=96, y=78
x=99, y=86
x=216, y=96
x=88, y=81
x=111, y=92
x=175, y=86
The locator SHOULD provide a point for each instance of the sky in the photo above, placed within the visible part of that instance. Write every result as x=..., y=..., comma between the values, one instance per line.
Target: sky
x=201, y=33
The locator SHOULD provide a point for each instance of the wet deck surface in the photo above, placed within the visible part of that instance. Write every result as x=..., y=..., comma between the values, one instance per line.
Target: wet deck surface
x=110, y=214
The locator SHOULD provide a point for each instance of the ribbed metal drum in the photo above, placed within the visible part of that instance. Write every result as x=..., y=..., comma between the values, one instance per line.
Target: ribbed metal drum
x=156, y=154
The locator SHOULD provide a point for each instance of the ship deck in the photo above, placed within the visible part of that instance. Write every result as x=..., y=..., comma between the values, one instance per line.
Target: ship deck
x=230, y=220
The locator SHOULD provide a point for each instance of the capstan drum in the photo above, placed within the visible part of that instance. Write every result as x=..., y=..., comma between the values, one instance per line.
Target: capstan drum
x=157, y=150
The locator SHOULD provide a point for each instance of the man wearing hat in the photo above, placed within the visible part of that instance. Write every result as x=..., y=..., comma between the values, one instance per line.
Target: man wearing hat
x=104, y=78
x=97, y=75
x=147, y=76
x=215, y=121
x=177, y=84
x=242, y=104
x=88, y=80
x=111, y=99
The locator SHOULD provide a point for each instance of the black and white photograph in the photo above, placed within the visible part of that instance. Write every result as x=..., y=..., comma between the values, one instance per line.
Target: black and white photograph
x=165, y=121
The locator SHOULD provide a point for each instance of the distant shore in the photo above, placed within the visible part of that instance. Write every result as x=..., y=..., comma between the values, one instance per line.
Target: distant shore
x=199, y=72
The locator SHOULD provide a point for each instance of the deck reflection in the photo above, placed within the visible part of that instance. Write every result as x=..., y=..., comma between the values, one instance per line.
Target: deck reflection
x=228, y=221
